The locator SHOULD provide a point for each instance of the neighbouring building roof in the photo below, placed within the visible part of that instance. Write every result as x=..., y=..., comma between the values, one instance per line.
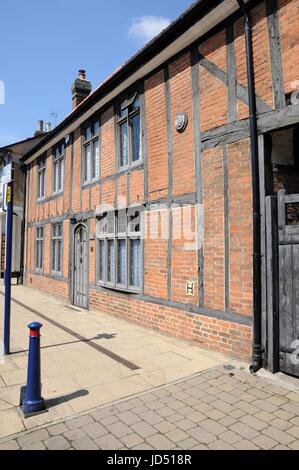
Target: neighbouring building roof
x=21, y=147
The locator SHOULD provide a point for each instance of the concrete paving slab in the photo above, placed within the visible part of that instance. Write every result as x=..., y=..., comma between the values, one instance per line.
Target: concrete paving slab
x=88, y=358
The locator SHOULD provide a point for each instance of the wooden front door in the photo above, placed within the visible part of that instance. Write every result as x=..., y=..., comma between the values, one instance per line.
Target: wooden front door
x=288, y=260
x=80, y=287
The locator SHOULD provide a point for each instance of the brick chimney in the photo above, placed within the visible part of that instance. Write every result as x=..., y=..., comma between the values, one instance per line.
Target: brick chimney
x=81, y=88
x=40, y=128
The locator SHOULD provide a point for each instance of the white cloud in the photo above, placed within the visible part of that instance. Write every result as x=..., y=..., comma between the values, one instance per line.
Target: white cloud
x=144, y=28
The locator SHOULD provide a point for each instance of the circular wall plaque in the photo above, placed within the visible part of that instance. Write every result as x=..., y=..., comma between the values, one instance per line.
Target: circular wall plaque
x=181, y=122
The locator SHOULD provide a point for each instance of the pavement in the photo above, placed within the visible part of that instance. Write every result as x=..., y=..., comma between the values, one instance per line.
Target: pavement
x=88, y=359
x=113, y=385
x=218, y=409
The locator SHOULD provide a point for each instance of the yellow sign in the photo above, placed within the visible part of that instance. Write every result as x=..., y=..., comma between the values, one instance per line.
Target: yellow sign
x=8, y=196
x=190, y=288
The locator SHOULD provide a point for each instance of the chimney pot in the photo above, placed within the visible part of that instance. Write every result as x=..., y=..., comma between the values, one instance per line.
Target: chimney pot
x=48, y=127
x=40, y=126
x=82, y=74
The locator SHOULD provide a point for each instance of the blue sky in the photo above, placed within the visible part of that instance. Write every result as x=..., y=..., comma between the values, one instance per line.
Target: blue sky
x=44, y=44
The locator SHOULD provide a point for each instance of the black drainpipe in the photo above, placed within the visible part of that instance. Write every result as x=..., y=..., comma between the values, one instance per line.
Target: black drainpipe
x=257, y=354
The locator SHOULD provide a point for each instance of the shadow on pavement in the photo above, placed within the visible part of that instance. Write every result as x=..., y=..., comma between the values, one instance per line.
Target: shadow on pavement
x=65, y=398
x=100, y=336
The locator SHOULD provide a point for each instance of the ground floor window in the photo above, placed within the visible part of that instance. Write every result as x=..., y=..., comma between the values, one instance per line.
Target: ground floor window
x=119, y=254
x=39, y=248
x=56, y=249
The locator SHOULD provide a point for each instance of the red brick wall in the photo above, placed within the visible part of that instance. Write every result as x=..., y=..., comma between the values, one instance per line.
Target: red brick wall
x=76, y=188
x=108, y=192
x=213, y=93
x=95, y=197
x=261, y=57
x=137, y=187
x=122, y=191
x=107, y=154
x=85, y=199
x=184, y=267
x=67, y=178
x=289, y=31
x=182, y=144
x=213, y=189
x=240, y=227
x=155, y=109
x=212, y=333
x=46, y=284
x=156, y=253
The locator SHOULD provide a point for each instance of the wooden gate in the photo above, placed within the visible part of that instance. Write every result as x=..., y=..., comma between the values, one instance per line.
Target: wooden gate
x=288, y=263
x=80, y=267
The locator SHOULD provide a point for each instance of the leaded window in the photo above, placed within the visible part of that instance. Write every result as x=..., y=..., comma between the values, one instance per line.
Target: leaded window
x=91, y=152
x=39, y=248
x=129, y=131
x=58, y=167
x=56, y=248
x=41, y=178
x=119, y=250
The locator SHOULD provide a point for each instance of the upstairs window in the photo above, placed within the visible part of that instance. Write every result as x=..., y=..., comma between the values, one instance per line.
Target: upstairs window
x=58, y=167
x=39, y=249
x=119, y=250
x=56, y=249
x=41, y=178
x=129, y=131
x=91, y=152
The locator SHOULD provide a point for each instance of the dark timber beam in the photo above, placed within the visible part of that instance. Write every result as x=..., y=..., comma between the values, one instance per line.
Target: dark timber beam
x=225, y=134
x=275, y=53
x=287, y=116
x=232, y=74
x=198, y=169
x=242, y=91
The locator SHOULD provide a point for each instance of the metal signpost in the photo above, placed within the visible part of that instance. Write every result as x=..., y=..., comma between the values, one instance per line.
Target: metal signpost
x=8, y=179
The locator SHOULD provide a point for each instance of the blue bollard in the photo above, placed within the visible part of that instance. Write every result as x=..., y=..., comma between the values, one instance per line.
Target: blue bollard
x=33, y=402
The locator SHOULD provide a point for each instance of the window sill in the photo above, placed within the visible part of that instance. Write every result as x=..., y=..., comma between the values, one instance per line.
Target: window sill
x=50, y=198
x=56, y=275
x=90, y=184
x=120, y=289
x=39, y=272
x=131, y=166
